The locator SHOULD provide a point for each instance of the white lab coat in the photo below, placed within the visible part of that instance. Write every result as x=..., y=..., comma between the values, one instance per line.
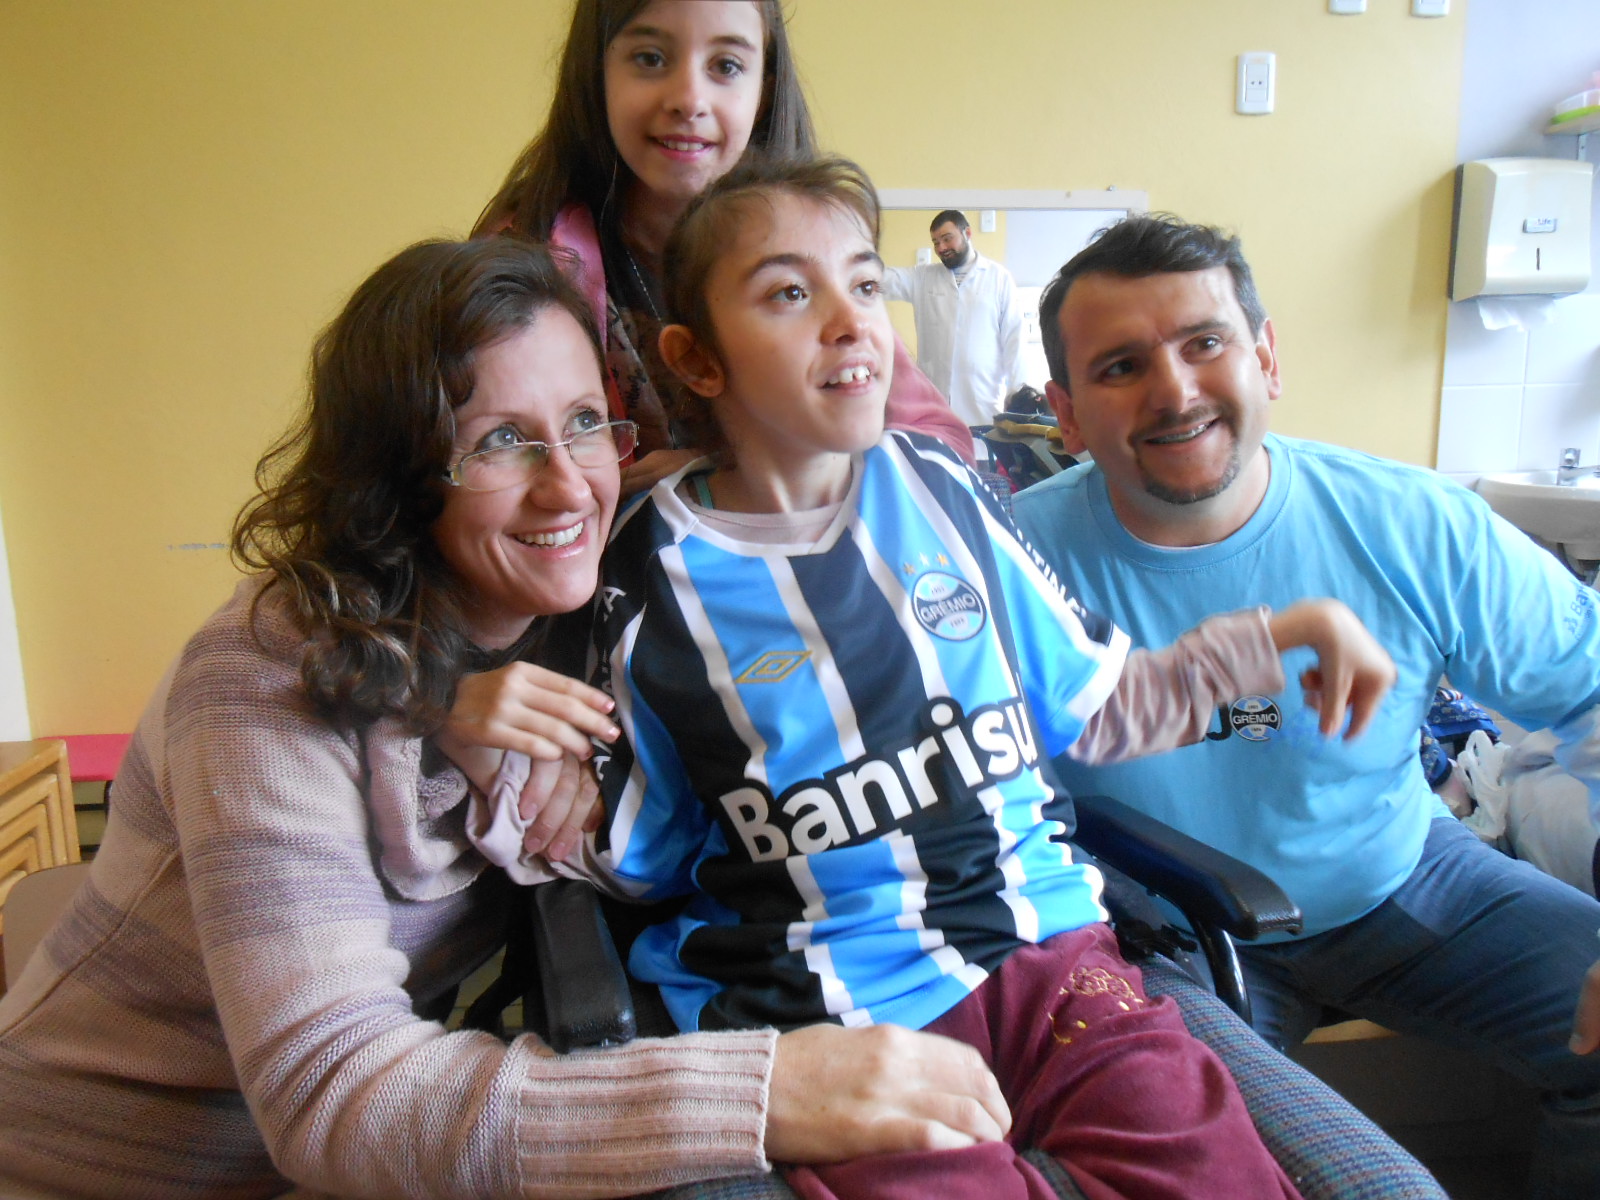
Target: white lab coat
x=969, y=338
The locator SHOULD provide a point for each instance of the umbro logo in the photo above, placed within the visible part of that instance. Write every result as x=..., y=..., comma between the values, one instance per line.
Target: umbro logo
x=774, y=666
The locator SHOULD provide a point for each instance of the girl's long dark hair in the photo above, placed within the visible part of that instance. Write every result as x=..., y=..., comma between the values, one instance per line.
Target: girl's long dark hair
x=347, y=497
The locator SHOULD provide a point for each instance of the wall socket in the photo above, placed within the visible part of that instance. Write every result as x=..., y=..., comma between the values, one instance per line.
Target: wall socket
x=1430, y=8
x=1257, y=83
x=1347, y=6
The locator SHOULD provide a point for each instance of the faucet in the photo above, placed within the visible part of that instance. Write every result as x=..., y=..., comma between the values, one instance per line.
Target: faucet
x=1569, y=471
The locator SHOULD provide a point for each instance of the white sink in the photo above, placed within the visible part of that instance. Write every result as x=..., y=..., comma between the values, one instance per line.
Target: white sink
x=1534, y=503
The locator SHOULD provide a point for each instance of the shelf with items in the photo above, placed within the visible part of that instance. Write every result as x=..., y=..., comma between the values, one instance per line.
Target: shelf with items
x=1577, y=116
x=1588, y=122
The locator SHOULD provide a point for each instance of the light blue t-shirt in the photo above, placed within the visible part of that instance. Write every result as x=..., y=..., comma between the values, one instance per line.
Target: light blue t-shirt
x=1444, y=584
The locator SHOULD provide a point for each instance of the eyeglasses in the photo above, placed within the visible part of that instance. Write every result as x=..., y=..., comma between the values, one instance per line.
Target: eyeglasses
x=510, y=465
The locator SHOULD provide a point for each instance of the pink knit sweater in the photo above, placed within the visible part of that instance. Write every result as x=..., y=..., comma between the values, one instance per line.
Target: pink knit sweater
x=226, y=1009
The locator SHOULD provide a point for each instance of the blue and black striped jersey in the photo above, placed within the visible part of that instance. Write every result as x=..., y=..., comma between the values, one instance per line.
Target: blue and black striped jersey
x=841, y=749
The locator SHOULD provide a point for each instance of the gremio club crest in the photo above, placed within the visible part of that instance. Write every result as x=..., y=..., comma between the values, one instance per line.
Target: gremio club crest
x=1253, y=718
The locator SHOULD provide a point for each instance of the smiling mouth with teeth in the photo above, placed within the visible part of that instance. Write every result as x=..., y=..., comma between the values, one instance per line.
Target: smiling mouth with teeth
x=1179, y=436
x=849, y=375
x=558, y=538
x=683, y=147
x=1188, y=435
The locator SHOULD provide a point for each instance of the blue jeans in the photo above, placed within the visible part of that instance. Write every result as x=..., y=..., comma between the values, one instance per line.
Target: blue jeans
x=1476, y=950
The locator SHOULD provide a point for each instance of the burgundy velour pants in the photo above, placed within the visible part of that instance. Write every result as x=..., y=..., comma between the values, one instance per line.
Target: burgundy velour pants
x=1104, y=1079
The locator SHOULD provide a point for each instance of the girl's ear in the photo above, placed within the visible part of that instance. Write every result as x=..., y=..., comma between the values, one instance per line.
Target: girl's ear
x=692, y=362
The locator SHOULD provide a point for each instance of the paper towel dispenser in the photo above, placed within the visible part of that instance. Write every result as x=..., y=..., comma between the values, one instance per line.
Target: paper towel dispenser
x=1521, y=227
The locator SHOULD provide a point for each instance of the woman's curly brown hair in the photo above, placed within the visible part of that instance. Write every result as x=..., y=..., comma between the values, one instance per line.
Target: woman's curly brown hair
x=347, y=497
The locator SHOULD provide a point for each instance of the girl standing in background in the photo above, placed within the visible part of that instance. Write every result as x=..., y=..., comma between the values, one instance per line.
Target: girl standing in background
x=655, y=100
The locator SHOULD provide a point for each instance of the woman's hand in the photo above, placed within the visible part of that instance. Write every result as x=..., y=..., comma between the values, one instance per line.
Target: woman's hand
x=840, y=1093
x=1353, y=671
x=642, y=474
x=522, y=707
x=551, y=719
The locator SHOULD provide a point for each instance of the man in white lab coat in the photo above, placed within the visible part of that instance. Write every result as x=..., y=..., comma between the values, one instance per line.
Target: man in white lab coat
x=969, y=322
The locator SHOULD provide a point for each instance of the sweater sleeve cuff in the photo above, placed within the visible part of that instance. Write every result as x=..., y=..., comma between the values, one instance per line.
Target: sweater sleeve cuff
x=652, y=1114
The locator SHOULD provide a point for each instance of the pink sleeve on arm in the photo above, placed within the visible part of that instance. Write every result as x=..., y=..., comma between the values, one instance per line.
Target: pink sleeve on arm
x=914, y=403
x=574, y=231
x=496, y=826
x=1165, y=698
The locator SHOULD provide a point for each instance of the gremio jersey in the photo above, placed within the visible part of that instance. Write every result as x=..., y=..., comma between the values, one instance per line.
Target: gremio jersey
x=841, y=749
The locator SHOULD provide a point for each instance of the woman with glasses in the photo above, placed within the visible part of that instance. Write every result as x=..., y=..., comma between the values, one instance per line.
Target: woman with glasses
x=236, y=1002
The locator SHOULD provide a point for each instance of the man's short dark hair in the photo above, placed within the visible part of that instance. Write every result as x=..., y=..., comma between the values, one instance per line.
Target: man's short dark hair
x=953, y=217
x=1150, y=244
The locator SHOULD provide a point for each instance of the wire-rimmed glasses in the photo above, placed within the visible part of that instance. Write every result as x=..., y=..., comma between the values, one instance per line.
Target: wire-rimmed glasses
x=518, y=462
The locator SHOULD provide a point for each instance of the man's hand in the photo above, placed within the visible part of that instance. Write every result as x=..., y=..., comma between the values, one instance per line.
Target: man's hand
x=841, y=1093
x=1586, y=1021
x=1353, y=672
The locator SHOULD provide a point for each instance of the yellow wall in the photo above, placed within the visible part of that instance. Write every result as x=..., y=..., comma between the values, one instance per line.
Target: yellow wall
x=188, y=189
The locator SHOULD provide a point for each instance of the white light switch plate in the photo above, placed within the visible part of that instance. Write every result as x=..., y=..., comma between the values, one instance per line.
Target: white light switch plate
x=1430, y=8
x=1347, y=6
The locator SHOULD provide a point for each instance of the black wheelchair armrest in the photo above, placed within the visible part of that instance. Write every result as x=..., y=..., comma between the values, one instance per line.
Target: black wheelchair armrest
x=1221, y=897
x=578, y=981
x=579, y=986
x=1206, y=884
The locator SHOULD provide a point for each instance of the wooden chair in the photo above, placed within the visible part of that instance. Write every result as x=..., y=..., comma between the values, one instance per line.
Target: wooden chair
x=37, y=829
x=32, y=906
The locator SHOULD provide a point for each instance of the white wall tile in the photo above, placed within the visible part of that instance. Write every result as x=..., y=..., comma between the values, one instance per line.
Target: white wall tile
x=1479, y=428
x=1477, y=356
x=1554, y=416
x=1568, y=349
x=1514, y=66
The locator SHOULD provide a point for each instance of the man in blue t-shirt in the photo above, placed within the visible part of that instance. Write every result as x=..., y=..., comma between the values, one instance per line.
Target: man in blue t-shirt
x=1163, y=367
